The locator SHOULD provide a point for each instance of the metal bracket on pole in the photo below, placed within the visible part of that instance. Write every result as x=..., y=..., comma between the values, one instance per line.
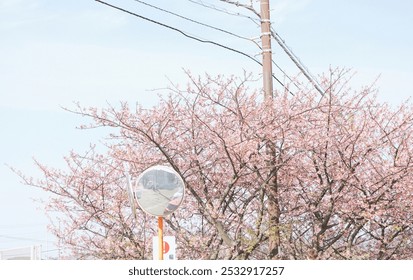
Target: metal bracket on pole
x=266, y=49
x=265, y=34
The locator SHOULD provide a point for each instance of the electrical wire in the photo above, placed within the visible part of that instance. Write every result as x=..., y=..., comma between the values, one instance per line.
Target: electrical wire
x=285, y=74
x=197, y=22
x=297, y=62
x=22, y=238
x=178, y=30
x=214, y=28
x=13, y=226
x=188, y=36
x=222, y=10
x=277, y=38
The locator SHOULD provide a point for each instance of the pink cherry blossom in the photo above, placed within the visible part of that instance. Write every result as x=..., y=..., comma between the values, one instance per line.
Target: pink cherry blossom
x=296, y=177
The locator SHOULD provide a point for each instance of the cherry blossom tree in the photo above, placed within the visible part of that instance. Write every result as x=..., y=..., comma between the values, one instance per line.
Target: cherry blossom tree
x=339, y=167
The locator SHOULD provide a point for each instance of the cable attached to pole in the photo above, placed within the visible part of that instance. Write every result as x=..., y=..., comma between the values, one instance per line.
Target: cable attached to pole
x=178, y=30
x=190, y=36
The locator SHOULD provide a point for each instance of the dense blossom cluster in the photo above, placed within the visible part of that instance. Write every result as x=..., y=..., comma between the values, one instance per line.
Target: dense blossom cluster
x=294, y=177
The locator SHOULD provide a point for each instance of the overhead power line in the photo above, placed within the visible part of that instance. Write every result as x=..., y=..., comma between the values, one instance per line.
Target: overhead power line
x=186, y=34
x=215, y=28
x=297, y=61
x=178, y=30
x=197, y=22
x=222, y=10
x=275, y=35
x=22, y=238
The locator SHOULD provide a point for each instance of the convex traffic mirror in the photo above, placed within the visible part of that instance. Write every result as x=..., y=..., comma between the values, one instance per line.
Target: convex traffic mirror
x=159, y=190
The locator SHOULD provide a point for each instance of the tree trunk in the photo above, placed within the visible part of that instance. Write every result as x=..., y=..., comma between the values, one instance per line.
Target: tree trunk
x=274, y=219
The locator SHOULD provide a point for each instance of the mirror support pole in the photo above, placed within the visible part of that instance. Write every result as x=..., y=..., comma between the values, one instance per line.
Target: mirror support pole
x=160, y=237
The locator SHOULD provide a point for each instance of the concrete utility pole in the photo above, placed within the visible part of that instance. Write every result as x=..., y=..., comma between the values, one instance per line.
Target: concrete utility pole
x=271, y=186
x=266, y=49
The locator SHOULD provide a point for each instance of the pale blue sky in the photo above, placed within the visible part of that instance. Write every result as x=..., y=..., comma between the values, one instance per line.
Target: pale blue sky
x=53, y=53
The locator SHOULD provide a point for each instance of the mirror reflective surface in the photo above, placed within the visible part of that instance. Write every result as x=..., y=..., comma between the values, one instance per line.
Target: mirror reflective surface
x=159, y=190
